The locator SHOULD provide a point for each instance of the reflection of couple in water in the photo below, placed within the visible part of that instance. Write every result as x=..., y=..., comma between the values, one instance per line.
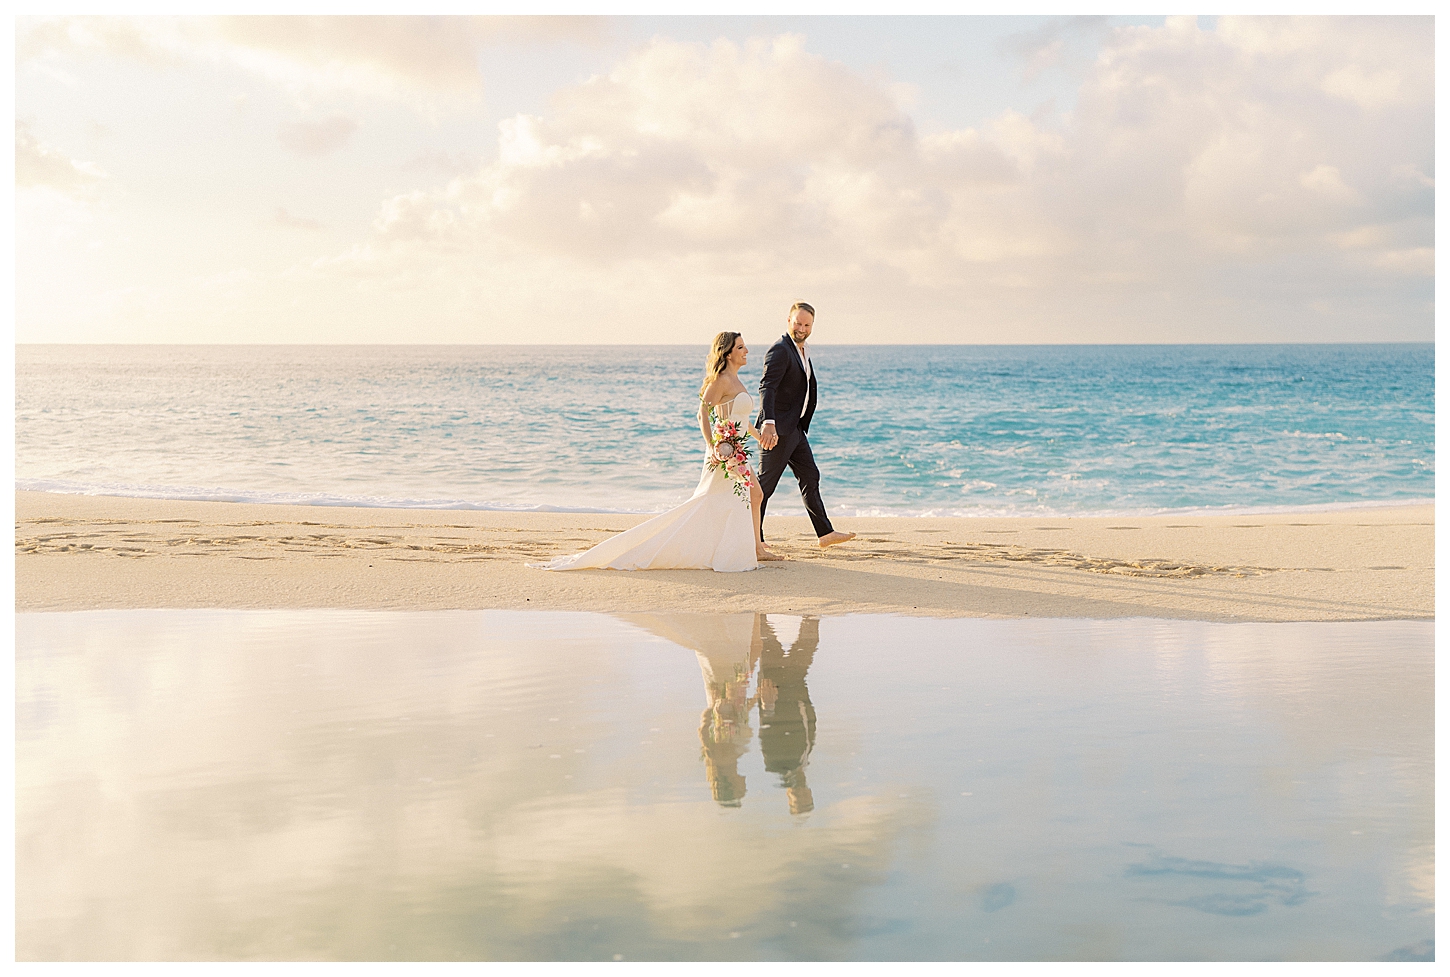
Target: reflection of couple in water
x=787, y=718
x=735, y=650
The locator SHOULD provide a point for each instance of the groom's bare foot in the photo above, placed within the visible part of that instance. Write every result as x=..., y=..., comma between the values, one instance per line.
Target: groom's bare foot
x=764, y=555
x=834, y=537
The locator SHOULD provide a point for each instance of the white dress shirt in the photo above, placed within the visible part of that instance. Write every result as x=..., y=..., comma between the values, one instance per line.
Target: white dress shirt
x=804, y=350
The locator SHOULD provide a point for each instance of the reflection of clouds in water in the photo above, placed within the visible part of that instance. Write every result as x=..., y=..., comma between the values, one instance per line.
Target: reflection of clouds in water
x=1237, y=890
x=280, y=756
x=1422, y=952
x=1328, y=701
x=1414, y=884
x=747, y=878
x=1325, y=694
x=367, y=810
x=1319, y=700
x=998, y=896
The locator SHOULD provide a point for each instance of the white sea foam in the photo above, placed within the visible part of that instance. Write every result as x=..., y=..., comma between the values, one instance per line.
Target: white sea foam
x=196, y=494
x=786, y=508
x=1044, y=512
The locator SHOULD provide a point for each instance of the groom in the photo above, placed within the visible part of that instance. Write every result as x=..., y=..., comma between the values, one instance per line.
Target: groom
x=787, y=401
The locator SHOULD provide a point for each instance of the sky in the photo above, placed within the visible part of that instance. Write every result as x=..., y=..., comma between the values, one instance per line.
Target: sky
x=655, y=179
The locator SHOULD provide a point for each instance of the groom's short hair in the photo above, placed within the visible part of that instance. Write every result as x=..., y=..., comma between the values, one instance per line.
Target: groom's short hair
x=804, y=307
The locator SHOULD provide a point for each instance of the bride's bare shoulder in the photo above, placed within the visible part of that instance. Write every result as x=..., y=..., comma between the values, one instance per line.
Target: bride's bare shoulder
x=721, y=390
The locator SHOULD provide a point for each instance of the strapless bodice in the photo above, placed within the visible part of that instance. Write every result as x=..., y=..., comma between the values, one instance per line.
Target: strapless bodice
x=737, y=409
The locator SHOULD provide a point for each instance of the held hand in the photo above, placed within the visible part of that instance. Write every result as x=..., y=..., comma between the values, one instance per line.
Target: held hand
x=768, y=437
x=767, y=692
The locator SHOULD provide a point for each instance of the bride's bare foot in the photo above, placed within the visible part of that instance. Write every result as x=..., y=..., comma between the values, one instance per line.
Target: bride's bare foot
x=764, y=555
x=834, y=537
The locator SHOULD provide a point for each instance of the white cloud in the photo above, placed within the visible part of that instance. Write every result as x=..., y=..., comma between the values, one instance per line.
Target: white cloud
x=53, y=218
x=448, y=163
x=317, y=138
x=1046, y=46
x=1189, y=149
x=1326, y=182
x=688, y=148
x=1213, y=178
x=283, y=219
x=390, y=56
x=1372, y=62
x=1417, y=262
x=38, y=164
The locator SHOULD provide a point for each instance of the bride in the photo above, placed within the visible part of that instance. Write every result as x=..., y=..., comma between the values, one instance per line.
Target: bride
x=712, y=530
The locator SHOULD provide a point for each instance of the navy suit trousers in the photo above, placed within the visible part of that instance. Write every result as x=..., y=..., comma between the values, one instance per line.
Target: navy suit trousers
x=794, y=450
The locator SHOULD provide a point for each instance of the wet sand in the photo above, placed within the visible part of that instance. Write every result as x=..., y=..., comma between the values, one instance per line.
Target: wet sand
x=87, y=552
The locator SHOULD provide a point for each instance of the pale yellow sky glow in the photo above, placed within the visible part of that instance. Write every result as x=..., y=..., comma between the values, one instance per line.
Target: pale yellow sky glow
x=621, y=180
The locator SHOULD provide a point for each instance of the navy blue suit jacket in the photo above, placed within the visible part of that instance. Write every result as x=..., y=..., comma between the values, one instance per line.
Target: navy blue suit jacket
x=784, y=389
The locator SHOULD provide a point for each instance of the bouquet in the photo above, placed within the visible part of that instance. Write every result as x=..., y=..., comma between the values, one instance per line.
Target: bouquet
x=729, y=452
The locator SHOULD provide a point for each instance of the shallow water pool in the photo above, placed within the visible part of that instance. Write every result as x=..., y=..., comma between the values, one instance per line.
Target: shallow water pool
x=492, y=785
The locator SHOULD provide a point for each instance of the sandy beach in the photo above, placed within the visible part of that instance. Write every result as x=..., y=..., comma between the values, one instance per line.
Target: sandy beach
x=78, y=552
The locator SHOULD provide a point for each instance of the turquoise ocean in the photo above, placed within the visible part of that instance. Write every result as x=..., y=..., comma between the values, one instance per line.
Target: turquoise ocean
x=900, y=430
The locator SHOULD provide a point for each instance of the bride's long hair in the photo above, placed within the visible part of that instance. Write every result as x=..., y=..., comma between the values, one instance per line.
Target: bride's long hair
x=720, y=351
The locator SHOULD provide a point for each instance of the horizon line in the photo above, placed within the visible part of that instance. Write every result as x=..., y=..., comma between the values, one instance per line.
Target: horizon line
x=1360, y=342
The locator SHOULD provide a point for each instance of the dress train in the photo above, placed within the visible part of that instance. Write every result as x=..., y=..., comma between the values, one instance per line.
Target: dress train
x=713, y=530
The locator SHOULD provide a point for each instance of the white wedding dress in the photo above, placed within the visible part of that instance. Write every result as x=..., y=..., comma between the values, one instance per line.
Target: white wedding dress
x=714, y=530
